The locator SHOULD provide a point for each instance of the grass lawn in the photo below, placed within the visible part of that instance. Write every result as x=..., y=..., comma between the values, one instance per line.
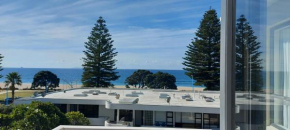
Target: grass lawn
x=19, y=93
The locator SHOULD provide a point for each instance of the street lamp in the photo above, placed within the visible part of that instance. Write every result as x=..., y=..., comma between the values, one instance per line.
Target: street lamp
x=7, y=95
x=192, y=82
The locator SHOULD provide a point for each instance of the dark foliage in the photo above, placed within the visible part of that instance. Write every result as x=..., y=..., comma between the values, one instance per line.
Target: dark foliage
x=160, y=80
x=45, y=79
x=248, y=61
x=99, y=63
x=202, y=60
x=138, y=78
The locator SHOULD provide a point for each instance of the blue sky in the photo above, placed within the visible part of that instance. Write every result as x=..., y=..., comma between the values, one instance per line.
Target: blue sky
x=148, y=34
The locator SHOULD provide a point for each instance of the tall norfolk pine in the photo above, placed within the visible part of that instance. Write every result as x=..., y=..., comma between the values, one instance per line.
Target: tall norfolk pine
x=1, y=57
x=248, y=61
x=202, y=60
x=99, y=63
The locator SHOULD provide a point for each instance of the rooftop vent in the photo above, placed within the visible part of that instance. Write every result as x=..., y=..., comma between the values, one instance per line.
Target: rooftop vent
x=95, y=93
x=43, y=94
x=163, y=95
x=209, y=99
x=129, y=101
x=132, y=95
x=112, y=94
x=139, y=93
x=186, y=96
x=35, y=94
x=80, y=95
x=102, y=92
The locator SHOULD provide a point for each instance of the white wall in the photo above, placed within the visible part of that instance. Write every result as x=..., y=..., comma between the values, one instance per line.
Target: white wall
x=97, y=121
x=106, y=112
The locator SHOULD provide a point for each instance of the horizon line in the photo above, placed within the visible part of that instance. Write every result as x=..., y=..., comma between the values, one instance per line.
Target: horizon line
x=79, y=68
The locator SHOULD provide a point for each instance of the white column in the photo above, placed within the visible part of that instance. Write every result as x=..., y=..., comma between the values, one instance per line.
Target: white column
x=67, y=107
x=118, y=113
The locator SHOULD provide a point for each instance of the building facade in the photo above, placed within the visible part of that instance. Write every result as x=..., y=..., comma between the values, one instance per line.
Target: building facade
x=138, y=108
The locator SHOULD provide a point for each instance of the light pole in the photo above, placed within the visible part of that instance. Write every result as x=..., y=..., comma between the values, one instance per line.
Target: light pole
x=6, y=95
x=192, y=82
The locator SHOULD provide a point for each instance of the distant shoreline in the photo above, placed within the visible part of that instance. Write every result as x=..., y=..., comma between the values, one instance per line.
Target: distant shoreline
x=66, y=86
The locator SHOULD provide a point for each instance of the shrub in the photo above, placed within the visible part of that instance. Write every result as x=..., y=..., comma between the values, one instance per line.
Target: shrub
x=77, y=118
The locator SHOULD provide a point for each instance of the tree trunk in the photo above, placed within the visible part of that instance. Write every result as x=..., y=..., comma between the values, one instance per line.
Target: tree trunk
x=12, y=89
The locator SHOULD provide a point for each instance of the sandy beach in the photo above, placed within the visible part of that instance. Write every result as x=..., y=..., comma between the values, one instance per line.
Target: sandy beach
x=66, y=86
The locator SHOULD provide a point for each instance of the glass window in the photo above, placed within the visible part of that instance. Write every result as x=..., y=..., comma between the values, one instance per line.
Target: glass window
x=126, y=115
x=148, y=118
x=178, y=117
x=73, y=107
x=263, y=64
x=90, y=111
x=187, y=117
x=62, y=107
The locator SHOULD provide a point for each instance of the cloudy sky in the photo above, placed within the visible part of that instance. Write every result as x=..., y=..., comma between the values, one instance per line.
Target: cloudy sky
x=148, y=34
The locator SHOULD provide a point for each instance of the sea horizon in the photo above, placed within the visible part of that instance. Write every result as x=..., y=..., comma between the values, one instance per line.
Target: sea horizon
x=74, y=75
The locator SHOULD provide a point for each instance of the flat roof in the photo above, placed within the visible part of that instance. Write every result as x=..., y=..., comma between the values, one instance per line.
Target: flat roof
x=149, y=97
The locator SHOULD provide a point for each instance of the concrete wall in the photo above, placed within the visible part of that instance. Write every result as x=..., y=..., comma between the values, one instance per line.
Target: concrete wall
x=103, y=112
x=97, y=121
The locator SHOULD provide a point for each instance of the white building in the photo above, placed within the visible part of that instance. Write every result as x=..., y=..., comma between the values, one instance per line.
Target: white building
x=138, y=107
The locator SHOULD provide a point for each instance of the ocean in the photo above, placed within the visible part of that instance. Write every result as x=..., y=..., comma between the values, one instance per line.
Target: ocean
x=74, y=75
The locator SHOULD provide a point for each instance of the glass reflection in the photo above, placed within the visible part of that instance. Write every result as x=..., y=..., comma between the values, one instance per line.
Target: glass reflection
x=263, y=64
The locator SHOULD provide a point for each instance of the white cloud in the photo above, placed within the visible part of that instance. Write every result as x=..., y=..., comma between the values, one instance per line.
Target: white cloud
x=52, y=33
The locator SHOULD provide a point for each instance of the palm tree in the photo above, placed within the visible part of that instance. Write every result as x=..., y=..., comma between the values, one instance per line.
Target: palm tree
x=13, y=79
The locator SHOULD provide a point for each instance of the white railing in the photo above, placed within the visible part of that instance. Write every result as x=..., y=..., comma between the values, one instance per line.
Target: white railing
x=67, y=127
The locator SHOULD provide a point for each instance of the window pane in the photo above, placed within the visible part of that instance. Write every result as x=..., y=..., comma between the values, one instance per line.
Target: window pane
x=187, y=117
x=263, y=64
x=90, y=111
x=126, y=115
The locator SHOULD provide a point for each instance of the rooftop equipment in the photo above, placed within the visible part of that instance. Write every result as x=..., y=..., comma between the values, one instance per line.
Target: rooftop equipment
x=112, y=94
x=132, y=95
x=95, y=93
x=186, y=96
x=35, y=94
x=139, y=93
x=129, y=101
x=163, y=95
x=209, y=99
x=80, y=95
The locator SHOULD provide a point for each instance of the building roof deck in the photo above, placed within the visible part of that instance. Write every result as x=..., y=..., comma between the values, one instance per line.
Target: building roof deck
x=149, y=97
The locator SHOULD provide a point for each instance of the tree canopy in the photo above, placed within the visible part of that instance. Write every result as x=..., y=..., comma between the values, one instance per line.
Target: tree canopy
x=160, y=80
x=99, y=63
x=138, y=78
x=37, y=115
x=202, y=59
x=248, y=61
x=77, y=118
x=11, y=80
x=45, y=79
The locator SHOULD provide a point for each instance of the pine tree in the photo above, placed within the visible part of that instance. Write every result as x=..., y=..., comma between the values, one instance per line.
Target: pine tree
x=99, y=63
x=202, y=60
x=1, y=57
x=248, y=61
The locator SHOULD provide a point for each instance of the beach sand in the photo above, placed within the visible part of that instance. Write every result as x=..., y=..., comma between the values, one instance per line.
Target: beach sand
x=66, y=86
